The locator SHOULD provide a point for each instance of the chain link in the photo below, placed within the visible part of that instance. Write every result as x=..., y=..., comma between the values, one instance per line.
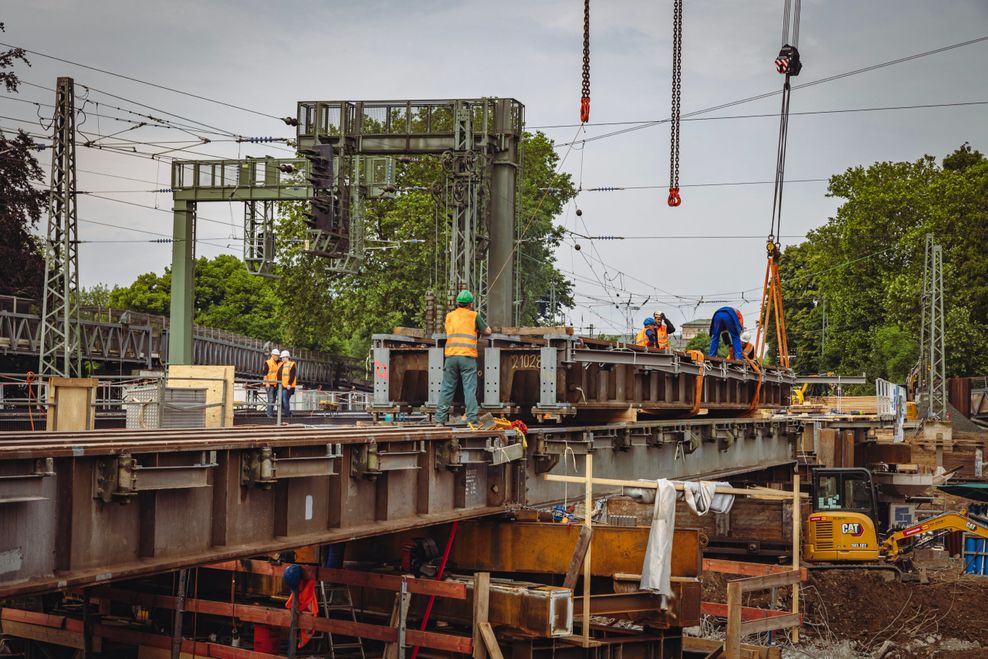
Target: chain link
x=586, y=49
x=677, y=58
x=585, y=98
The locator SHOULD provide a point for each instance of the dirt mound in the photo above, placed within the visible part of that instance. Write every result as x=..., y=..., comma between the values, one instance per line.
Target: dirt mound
x=920, y=619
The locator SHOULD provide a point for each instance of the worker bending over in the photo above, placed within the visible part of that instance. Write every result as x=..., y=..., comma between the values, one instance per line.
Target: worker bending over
x=646, y=337
x=463, y=326
x=270, y=373
x=663, y=328
x=288, y=374
x=726, y=320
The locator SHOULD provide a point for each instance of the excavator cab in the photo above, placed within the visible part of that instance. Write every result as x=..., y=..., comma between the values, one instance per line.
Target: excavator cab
x=842, y=526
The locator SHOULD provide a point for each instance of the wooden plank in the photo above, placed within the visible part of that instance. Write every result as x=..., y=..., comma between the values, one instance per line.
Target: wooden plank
x=536, y=331
x=71, y=404
x=44, y=634
x=282, y=618
x=720, y=609
x=709, y=645
x=579, y=553
x=490, y=641
x=732, y=642
x=353, y=578
x=796, y=523
x=768, y=624
x=748, y=569
x=481, y=606
x=412, y=332
x=768, y=581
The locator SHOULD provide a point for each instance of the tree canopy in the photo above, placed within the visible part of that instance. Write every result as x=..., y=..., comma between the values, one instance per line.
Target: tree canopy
x=226, y=297
x=865, y=268
x=21, y=204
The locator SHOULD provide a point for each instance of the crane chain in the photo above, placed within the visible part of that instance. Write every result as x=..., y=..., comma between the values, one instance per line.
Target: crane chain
x=585, y=98
x=677, y=75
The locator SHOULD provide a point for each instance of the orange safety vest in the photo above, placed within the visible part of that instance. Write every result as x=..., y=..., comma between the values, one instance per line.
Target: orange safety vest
x=748, y=349
x=641, y=338
x=285, y=368
x=271, y=379
x=306, y=602
x=662, y=336
x=461, y=333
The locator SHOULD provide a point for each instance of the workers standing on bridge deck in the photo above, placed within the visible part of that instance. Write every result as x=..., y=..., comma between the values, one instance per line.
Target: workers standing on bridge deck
x=463, y=326
x=288, y=375
x=747, y=347
x=726, y=320
x=270, y=374
x=646, y=335
x=663, y=328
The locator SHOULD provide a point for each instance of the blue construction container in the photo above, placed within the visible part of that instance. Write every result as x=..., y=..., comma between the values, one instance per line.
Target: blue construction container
x=976, y=556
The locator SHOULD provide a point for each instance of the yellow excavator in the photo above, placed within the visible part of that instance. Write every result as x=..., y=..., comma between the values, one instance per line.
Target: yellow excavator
x=842, y=530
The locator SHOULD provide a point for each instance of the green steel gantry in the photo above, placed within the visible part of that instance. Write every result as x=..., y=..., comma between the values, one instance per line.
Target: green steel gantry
x=476, y=139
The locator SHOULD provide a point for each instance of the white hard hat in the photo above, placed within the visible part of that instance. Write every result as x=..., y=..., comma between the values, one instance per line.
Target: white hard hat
x=746, y=336
x=275, y=352
x=285, y=354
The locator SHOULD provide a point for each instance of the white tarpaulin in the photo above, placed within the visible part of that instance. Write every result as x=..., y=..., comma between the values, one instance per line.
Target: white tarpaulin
x=702, y=498
x=656, y=571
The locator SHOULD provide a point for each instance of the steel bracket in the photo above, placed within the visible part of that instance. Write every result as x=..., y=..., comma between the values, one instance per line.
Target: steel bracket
x=26, y=486
x=370, y=461
x=263, y=467
x=122, y=477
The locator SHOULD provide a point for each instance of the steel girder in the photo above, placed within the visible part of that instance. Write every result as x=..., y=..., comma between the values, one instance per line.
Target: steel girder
x=562, y=376
x=84, y=508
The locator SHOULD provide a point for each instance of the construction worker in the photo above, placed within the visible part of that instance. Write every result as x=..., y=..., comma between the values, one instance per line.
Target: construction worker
x=663, y=328
x=270, y=373
x=747, y=347
x=730, y=321
x=299, y=582
x=288, y=375
x=646, y=335
x=463, y=326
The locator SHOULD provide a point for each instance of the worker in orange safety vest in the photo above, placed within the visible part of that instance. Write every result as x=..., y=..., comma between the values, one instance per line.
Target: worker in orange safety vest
x=663, y=328
x=646, y=335
x=463, y=327
x=270, y=373
x=299, y=582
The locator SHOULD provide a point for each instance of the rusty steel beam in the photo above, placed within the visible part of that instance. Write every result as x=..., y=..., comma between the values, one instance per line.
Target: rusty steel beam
x=559, y=376
x=542, y=548
x=129, y=504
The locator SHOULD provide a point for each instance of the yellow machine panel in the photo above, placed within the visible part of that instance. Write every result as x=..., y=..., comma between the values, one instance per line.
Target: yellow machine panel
x=840, y=536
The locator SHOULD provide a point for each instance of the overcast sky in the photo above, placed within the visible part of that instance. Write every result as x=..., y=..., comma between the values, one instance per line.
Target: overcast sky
x=268, y=55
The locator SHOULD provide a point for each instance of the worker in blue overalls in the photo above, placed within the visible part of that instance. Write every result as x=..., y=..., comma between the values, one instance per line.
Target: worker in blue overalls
x=729, y=320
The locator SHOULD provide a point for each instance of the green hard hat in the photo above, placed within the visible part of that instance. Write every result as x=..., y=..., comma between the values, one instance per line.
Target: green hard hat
x=465, y=297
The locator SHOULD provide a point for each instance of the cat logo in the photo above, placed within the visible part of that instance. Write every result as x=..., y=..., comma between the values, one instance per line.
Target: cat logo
x=851, y=529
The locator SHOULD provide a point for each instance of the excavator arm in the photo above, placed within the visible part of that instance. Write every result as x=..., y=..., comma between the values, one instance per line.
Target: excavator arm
x=944, y=522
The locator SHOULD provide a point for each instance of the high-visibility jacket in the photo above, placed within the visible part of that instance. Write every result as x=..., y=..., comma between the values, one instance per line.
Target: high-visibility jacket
x=662, y=336
x=643, y=339
x=288, y=374
x=747, y=348
x=271, y=376
x=307, y=603
x=461, y=333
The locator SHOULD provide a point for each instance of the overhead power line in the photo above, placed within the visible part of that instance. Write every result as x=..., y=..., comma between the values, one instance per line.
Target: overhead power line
x=811, y=83
x=144, y=82
x=773, y=115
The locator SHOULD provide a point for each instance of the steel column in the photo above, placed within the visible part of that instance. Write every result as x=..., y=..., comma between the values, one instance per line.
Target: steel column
x=183, y=283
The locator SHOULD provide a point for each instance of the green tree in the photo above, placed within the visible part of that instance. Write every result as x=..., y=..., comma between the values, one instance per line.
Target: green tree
x=21, y=200
x=867, y=264
x=226, y=297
